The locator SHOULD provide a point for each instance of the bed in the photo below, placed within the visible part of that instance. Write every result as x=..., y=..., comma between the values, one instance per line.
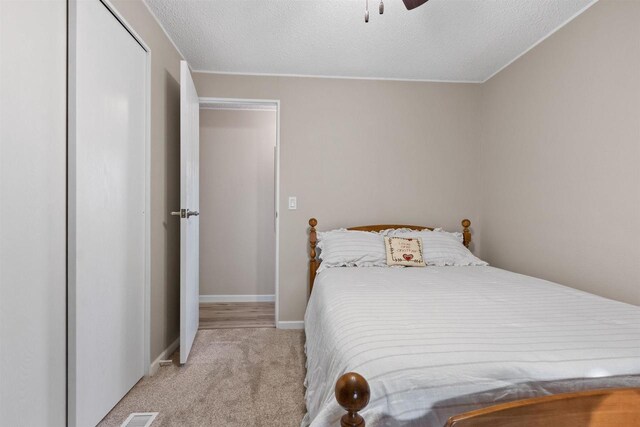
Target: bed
x=438, y=342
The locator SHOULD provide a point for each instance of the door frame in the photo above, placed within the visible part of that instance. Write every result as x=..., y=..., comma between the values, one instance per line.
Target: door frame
x=71, y=143
x=235, y=102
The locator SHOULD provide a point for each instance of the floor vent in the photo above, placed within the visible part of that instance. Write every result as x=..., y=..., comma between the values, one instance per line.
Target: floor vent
x=140, y=419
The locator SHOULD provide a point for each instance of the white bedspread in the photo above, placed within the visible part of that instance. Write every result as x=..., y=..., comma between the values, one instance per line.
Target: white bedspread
x=438, y=341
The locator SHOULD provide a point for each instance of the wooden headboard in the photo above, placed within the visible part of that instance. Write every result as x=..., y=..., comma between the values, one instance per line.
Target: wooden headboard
x=314, y=262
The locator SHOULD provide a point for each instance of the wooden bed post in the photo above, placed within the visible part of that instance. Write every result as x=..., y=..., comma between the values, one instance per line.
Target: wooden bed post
x=466, y=234
x=352, y=393
x=313, y=264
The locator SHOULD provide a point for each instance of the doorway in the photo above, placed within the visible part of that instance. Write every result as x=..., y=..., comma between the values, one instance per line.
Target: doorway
x=238, y=213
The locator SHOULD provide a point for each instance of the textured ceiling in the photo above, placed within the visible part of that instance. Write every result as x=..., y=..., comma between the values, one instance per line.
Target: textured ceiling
x=442, y=40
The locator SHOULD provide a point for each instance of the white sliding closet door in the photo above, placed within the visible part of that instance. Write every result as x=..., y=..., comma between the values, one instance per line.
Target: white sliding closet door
x=107, y=161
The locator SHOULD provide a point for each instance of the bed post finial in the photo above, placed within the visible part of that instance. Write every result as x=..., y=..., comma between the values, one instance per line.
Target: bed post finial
x=313, y=264
x=352, y=393
x=466, y=234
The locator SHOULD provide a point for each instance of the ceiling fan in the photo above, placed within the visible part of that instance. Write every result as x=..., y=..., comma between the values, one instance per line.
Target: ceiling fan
x=409, y=4
x=412, y=4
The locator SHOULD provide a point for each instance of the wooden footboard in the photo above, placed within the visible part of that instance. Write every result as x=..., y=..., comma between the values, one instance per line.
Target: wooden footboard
x=592, y=408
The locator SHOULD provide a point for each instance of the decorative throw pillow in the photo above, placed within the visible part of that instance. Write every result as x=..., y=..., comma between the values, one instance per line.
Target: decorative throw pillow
x=404, y=251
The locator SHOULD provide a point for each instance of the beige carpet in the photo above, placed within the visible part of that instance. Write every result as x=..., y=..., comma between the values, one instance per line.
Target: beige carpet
x=234, y=377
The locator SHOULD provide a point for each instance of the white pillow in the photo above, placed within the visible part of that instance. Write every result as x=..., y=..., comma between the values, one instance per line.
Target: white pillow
x=440, y=248
x=347, y=248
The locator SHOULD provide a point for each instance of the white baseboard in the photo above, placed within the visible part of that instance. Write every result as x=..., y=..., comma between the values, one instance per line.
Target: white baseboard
x=166, y=354
x=295, y=324
x=237, y=298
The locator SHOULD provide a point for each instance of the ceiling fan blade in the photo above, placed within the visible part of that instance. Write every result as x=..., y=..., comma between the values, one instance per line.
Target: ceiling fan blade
x=412, y=4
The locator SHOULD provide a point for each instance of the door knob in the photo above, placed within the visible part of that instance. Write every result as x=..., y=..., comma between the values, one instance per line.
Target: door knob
x=185, y=213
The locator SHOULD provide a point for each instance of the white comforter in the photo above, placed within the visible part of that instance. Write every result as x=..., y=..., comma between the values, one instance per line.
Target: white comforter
x=438, y=341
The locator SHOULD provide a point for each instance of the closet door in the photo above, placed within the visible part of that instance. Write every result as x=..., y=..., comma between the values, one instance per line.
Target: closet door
x=106, y=242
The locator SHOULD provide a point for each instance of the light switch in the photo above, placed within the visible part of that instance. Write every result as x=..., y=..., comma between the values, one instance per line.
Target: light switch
x=293, y=203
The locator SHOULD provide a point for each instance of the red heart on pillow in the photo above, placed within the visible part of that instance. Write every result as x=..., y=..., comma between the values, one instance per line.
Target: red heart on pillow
x=407, y=257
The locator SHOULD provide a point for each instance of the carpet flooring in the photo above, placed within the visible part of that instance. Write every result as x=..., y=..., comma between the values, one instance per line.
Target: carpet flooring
x=234, y=377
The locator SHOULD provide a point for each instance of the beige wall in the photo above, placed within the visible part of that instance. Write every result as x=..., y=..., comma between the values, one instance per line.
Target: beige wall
x=559, y=135
x=362, y=151
x=33, y=96
x=165, y=174
x=561, y=155
x=237, y=234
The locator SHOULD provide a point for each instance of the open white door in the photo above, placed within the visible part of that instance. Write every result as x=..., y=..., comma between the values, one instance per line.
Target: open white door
x=189, y=211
